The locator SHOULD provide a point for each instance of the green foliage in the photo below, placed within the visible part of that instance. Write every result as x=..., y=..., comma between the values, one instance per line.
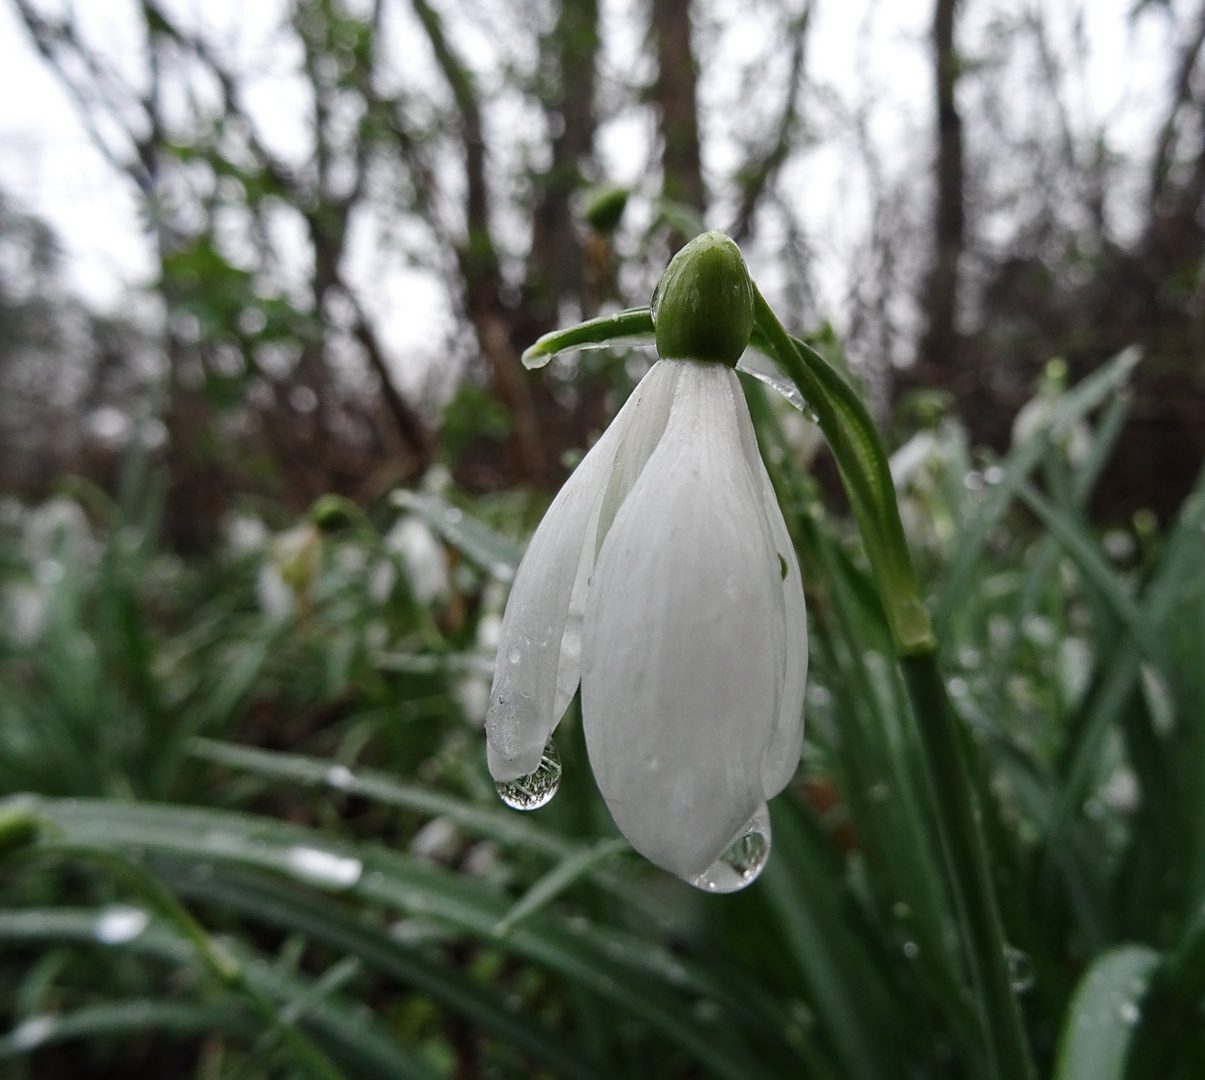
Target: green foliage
x=249, y=800
x=473, y=413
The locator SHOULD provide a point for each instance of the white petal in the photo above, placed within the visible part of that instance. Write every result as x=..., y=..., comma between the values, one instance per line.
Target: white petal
x=538, y=652
x=639, y=434
x=681, y=666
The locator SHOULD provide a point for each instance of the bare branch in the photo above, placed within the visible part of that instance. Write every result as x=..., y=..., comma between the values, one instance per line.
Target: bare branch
x=757, y=175
x=1161, y=161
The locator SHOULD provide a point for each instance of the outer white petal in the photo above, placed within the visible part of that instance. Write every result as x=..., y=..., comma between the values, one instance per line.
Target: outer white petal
x=683, y=638
x=537, y=668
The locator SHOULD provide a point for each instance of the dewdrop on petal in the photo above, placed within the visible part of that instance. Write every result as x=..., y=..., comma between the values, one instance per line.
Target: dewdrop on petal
x=664, y=580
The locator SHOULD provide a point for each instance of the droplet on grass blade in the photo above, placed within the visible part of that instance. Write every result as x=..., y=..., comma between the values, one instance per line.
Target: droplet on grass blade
x=340, y=777
x=120, y=923
x=32, y=1033
x=1020, y=969
x=742, y=860
x=324, y=867
x=537, y=788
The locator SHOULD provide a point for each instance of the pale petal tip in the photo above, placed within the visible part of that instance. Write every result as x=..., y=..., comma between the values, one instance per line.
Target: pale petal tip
x=504, y=768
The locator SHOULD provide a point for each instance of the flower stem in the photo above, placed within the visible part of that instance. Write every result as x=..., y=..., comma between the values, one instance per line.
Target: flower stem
x=862, y=462
x=966, y=857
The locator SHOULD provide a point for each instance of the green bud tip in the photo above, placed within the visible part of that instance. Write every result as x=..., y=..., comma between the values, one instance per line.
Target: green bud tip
x=605, y=207
x=19, y=828
x=332, y=512
x=703, y=305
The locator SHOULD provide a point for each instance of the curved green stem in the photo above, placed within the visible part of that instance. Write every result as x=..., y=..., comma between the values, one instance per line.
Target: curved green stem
x=966, y=860
x=862, y=462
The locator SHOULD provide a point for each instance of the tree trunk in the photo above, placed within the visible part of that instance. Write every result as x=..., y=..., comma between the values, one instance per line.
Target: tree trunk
x=939, y=350
x=554, y=270
x=677, y=105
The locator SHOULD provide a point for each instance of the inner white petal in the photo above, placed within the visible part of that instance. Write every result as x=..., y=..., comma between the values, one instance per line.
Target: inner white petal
x=781, y=757
x=681, y=659
x=537, y=667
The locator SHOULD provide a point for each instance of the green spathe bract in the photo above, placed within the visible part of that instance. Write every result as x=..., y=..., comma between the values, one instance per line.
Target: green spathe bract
x=703, y=305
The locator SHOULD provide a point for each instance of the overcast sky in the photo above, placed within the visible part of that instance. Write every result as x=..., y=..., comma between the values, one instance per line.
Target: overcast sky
x=49, y=165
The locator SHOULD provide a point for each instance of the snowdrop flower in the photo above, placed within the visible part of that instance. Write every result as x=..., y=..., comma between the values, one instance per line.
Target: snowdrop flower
x=424, y=557
x=663, y=577
x=1037, y=413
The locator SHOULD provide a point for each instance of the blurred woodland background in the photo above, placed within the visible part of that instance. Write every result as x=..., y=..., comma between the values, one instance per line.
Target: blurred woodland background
x=260, y=512
x=460, y=139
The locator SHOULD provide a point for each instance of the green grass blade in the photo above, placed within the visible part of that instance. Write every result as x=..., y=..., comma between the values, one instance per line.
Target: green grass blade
x=1081, y=400
x=123, y=1019
x=351, y=1038
x=860, y=1017
x=1100, y=1023
x=369, y=873
x=557, y=880
x=283, y=906
x=1091, y=563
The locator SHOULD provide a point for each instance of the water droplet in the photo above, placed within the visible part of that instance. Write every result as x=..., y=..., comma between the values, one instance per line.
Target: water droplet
x=900, y=910
x=119, y=924
x=453, y=514
x=1129, y=1013
x=742, y=860
x=341, y=777
x=513, y=654
x=49, y=572
x=911, y=950
x=1020, y=969
x=708, y=1011
x=819, y=695
x=32, y=1033
x=323, y=867
x=537, y=788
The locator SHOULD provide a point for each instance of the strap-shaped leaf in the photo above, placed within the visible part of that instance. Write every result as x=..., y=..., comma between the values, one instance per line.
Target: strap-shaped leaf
x=367, y=872
x=1104, y=1014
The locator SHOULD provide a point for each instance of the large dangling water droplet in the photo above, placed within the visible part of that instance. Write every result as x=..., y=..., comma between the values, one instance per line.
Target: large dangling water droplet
x=537, y=788
x=742, y=860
